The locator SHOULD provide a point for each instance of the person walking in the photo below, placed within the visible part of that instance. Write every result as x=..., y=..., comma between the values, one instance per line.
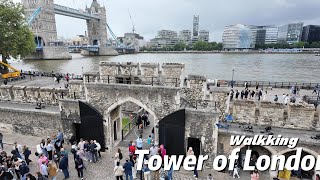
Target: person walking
x=118, y=171
x=139, y=142
x=79, y=166
x=128, y=169
x=117, y=157
x=63, y=165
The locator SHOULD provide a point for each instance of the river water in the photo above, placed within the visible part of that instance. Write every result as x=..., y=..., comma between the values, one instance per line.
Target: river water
x=251, y=67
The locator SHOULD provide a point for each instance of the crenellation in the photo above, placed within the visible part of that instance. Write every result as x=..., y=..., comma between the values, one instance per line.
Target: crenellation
x=6, y=93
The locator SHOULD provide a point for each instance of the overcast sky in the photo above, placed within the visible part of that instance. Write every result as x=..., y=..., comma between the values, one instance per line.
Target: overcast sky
x=149, y=16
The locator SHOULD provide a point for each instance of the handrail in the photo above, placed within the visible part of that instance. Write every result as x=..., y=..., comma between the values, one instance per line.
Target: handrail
x=128, y=127
x=302, y=85
x=140, y=80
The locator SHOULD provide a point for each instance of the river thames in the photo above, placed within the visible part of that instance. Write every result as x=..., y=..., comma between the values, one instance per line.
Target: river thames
x=251, y=67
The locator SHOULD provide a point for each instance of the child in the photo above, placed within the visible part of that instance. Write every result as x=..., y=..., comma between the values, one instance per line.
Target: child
x=149, y=140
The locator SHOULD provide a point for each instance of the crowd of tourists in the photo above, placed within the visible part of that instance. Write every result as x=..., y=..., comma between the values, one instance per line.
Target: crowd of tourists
x=52, y=157
x=260, y=94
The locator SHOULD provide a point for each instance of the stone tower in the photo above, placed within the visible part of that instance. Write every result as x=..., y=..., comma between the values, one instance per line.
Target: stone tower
x=44, y=26
x=97, y=29
x=44, y=30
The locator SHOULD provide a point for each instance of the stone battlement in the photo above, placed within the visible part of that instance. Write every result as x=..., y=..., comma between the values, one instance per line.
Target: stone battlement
x=292, y=116
x=24, y=94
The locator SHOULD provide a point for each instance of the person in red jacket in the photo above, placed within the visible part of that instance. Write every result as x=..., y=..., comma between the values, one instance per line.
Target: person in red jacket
x=132, y=150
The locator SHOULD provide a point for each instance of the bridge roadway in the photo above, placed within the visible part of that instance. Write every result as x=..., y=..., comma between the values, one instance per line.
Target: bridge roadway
x=75, y=13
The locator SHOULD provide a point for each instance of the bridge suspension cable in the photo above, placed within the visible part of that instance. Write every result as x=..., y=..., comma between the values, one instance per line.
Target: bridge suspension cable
x=115, y=37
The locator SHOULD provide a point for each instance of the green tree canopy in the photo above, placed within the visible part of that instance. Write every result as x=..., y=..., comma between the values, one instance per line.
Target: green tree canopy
x=180, y=46
x=15, y=36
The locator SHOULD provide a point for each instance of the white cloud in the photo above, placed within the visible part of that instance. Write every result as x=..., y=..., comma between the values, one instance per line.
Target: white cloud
x=149, y=16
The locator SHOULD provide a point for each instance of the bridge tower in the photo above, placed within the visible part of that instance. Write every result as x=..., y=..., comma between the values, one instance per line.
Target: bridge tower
x=97, y=29
x=44, y=30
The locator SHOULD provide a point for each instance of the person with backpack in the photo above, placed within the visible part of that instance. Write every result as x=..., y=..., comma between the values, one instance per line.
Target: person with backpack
x=79, y=166
x=117, y=157
x=24, y=169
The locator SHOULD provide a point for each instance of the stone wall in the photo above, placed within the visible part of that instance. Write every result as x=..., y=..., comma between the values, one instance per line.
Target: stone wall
x=76, y=89
x=161, y=100
x=30, y=122
x=23, y=94
x=168, y=74
x=195, y=92
x=296, y=116
x=219, y=95
x=70, y=115
x=201, y=124
x=150, y=69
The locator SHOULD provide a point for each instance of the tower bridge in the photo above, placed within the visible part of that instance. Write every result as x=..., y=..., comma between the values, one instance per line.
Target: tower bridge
x=43, y=24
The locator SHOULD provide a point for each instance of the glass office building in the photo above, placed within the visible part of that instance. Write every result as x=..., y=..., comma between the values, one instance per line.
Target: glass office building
x=238, y=37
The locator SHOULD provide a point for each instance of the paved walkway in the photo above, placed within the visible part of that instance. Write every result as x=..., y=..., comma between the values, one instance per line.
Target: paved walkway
x=279, y=92
x=134, y=134
x=39, y=81
x=103, y=169
x=28, y=107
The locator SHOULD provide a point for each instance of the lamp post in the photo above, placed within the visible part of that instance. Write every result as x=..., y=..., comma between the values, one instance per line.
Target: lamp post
x=232, y=78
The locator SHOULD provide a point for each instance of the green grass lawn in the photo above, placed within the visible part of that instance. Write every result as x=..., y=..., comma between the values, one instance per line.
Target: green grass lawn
x=125, y=121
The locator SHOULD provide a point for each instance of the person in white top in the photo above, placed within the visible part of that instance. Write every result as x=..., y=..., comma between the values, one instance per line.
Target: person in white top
x=98, y=147
x=286, y=99
x=118, y=171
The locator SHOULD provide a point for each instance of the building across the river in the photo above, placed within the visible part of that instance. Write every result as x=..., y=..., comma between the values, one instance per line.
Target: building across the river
x=169, y=38
x=311, y=33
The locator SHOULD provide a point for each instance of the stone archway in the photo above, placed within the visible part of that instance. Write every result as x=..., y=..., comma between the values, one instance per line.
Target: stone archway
x=304, y=150
x=271, y=151
x=110, y=124
x=39, y=41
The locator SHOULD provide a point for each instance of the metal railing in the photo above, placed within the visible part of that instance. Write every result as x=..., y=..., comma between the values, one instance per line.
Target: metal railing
x=267, y=84
x=152, y=81
x=50, y=74
x=127, y=128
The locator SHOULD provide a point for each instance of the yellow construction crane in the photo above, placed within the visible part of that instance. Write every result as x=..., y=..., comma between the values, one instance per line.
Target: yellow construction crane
x=13, y=72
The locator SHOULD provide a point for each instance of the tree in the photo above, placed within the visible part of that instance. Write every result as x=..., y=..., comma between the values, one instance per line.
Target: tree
x=180, y=46
x=15, y=37
x=299, y=44
x=200, y=46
